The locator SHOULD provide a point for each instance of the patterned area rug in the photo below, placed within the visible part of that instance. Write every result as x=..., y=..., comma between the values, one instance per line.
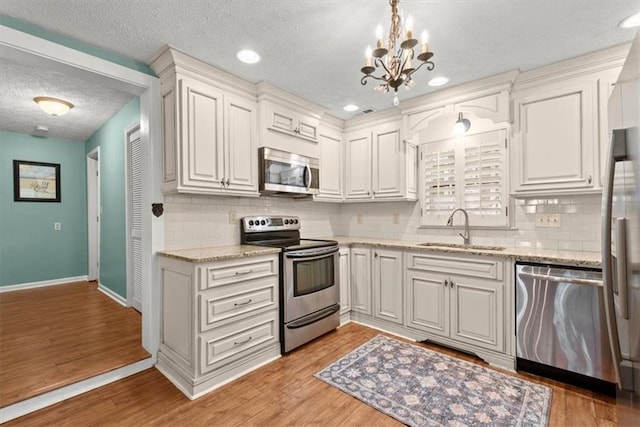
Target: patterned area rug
x=420, y=387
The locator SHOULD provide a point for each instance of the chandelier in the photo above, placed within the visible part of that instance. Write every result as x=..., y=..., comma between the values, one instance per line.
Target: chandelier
x=396, y=59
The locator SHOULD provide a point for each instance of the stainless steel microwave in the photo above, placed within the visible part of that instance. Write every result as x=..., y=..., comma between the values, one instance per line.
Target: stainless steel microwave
x=287, y=174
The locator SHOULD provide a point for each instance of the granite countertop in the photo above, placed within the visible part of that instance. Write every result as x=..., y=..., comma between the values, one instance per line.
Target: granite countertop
x=586, y=259
x=217, y=253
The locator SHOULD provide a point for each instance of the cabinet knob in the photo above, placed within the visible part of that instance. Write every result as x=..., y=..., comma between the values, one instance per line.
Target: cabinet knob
x=446, y=283
x=375, y=254
x=222, y=182
x=227, y=182
x=451, y=283
x=589, y=179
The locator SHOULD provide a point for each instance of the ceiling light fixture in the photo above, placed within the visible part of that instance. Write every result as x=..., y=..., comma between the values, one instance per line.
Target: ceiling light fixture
x=438, y=81
x=630, y=21
x=54, y=106
x=461, y=126
x=351, y=108
x=248, y=56
x=397, y=67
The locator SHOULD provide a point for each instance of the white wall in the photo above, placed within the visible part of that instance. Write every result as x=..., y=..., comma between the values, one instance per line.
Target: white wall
x=199, y=221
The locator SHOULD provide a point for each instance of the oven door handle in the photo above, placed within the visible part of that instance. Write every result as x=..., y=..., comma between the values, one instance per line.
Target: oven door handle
x=313, y=318
x=310, y=254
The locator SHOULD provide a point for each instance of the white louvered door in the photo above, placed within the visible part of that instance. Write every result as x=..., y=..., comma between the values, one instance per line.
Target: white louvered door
x=134, y=154
x=469, y=173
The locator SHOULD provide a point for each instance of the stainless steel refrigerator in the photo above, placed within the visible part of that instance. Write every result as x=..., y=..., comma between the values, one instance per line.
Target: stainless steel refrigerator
x=621, y=237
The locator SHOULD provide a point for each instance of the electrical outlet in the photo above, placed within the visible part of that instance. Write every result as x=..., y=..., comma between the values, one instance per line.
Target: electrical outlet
x=233, y=217
x=57, y=226
x=358, y=218
x=547, y=220
x=396, y=218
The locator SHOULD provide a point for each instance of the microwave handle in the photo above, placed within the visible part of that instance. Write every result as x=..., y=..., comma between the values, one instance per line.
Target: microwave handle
x=307, y=176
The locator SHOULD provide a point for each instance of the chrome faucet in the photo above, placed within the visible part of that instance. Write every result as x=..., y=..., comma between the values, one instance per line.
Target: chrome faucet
x=465, y=236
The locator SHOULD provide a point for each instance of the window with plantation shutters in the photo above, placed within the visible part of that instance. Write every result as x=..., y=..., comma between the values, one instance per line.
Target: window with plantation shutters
x=468, y=172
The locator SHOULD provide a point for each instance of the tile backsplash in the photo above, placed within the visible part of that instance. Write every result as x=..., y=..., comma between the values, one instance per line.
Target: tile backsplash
x=579, y=224
x=199, y=221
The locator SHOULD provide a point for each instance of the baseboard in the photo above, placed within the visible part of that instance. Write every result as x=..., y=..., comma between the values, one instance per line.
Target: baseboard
x=114, y=296
x=53, y=282
x=25, y=407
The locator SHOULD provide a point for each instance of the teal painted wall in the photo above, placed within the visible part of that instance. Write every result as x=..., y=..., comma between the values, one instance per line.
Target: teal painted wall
x=74, y=44
x=110, y=139
x=30, y=249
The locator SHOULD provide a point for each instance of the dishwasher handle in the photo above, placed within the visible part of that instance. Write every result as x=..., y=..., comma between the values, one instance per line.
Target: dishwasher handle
x=562, y=279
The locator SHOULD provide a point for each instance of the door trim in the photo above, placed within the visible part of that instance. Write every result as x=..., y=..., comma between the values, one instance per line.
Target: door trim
x=93, y=214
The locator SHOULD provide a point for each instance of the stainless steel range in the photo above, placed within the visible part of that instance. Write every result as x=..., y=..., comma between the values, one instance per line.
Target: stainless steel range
x=309, y=277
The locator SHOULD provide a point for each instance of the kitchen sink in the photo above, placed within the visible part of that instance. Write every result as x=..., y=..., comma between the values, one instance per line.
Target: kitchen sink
x=462, y=246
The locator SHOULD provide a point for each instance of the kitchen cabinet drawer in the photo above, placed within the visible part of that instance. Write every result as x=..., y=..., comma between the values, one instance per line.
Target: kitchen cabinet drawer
x=229, y=343
x=232, y=272
x=478, y=267
x=233, y=301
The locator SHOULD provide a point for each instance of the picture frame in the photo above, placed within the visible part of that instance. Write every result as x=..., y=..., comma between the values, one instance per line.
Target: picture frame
x=36, y=181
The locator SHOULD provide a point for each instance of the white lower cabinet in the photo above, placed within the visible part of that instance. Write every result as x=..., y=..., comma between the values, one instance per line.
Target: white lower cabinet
x=219, y=320
x=361, y=280
x=458, y=298
x=387, y=285
x=345, y=281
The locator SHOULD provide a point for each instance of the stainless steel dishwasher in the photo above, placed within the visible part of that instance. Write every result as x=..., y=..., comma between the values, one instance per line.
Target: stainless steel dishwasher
x=560, y=325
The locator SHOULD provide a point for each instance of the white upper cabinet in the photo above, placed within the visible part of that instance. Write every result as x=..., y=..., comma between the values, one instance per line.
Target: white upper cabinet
x=287, y=122
x=560, y=130
x=555, y=129
x=380, y=165
x=331, y=166
x=210, y=138
x=358, y=165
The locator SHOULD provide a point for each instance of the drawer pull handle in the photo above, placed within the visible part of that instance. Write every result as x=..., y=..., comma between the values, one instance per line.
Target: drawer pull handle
x=243, y=272
x=242, y=342
x=236, y=304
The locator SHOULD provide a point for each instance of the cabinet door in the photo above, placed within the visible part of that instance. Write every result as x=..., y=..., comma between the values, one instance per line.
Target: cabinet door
x=556, y=138
x=477, y=312
x=307, y=127
x=345, y=280
x=387, y=285
x=361, y=280
x=606, y=84
x=358, y=166
x=330, y=167
x=427, y=302
x=241, y=145
x=388, y=162
x=202, y=134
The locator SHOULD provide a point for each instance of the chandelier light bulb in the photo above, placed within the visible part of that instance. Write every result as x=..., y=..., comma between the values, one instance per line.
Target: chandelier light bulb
x=396, y=100
x=408, y=27
x=424, y=37
x=379, y=32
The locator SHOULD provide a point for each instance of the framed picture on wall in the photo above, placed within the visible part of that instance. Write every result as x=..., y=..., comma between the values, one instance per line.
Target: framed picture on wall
x=36, y=181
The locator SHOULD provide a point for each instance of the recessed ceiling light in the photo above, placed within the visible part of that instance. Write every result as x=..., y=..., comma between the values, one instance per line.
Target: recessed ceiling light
x=351, y=107
x=248, y=56
x=438, y=81
x=630, y=21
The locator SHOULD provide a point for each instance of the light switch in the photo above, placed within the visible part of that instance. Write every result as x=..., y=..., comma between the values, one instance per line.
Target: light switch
x=57, y=226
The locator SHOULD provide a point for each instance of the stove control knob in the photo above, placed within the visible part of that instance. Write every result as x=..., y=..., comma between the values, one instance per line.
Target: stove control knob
x=286, y=221
x=250, y=222
x=262, y=222
x=295, y=221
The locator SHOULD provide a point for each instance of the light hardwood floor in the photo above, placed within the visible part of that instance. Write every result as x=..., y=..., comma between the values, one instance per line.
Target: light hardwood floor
x=283, y=393
x=58, y=335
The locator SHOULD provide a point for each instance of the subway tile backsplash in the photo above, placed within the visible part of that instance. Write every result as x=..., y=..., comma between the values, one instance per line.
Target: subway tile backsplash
x=198, y=221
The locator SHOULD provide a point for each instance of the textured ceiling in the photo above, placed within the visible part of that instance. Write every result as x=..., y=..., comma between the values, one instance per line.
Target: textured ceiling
x=316, y=48
x=19, y=84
